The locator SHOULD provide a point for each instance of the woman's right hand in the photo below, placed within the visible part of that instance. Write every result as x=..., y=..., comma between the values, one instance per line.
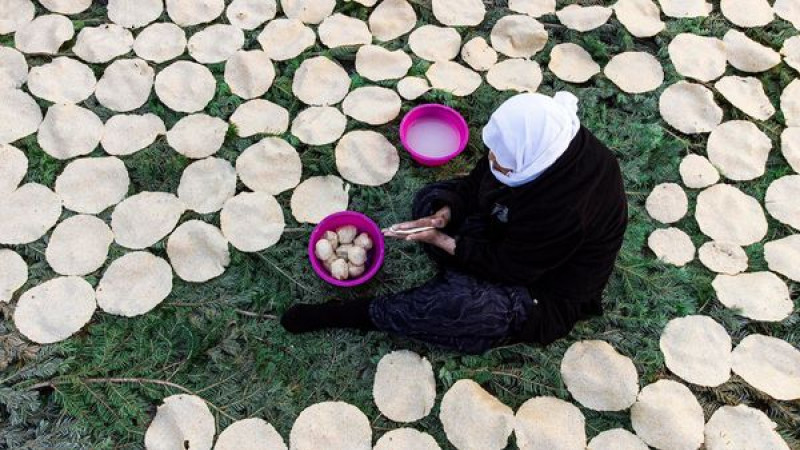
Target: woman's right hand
x=439, y=219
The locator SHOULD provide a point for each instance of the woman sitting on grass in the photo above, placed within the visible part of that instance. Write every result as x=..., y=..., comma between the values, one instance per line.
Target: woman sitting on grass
x=526, y=242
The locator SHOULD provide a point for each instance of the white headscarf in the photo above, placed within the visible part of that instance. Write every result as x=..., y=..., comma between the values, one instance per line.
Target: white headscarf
x=529, y=132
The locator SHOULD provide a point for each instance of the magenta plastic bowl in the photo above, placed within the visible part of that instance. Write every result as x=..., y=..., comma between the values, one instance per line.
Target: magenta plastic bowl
x=444, y=114
x=362, y=224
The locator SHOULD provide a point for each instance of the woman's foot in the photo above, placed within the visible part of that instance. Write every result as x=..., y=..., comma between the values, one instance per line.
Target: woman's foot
x=306, y=318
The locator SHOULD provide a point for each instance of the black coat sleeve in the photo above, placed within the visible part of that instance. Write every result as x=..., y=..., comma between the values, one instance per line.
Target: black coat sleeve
x=461, y=198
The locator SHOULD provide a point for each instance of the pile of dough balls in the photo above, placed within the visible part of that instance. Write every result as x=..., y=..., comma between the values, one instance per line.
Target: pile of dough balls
x=344, y=252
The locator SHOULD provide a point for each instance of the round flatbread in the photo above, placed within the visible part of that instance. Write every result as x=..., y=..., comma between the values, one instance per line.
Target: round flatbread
x=367, y=158
x=68, y=7
x=791, y=52
x=739, y=150
x=747, y=94
x=207, y=184
x=459, y=13
x=759, y=296
x=319, y=81
x=126, y=134
x=411, y=88
x=616, y=439
x=198, y=251
x=549, y=422
x=182, y=421
x=641, y=18
x=689, y=108
x=250, y=14
x=473, y=418
x=92, y=185
x=770, y=365
x=747, y=13
x=790, y=147
x=454, y=78
x=672, y=246
x=134, y=284
x=308, y=11
x=748, y=55
x=374, y=105
x=143, y=219
x=700, y=57
x=598, y=377
x=635, y=72
x=339, y=30
x=284, y=39
x=249, y=74
x=13, y=168
x=44, y=34
x=319, y=125
x=318, y=197
x=434, y=43
x=584, y=18
x=667, y=415
x=55, y=309
x=515, y=74
x=187, y=13
x=404, y=389
x=102, y=44
x=79, y=245
x=134, y=13
x=518, y=36
x=533, y=8
x=571, y=63
x=782, y=256
x=790, y=104
x=741, y=426
x=13, y=68
x=197, y=136
x=63, y=80
x=667, y=203
x=406, y=439
x=69, y=131
x=160, y=42
x=252, y=434
x=697, y=349
x=15, y=14
x=13, y=274
x=185, y=86
x=685, y=8
x=260, y=117
x=125, y=85
x=376, y=63
x=271, y=166
x=788, y=10
x=726, y=214
x=392, y=19
x=19, y=114
x=215, y=43
x=252, y=221
x=723, y=257
x=333, y=426
x=28, y=213
x=781, y=200
x=697, y=172
x=478, y=54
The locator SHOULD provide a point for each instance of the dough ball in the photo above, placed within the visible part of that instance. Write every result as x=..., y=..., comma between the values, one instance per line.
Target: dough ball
x=788, y=10
x=667, y=415
x=723, y=257
x=13, y=274
x=584, y=18
x=685, y=8
x=376, y=63
x=197, y=136
x=405, y=388
x=182, y=421
x=102, y=44
x=125, y=85
x=134, y=284
x=533, y=8
x=260, y=117
x=548, y=422
x=319, y=81
x=434, y=43
x=672, y=246
x=748, y=55
x=249, y=74
x=63, y=80
x=598, y=377
x=44, y=34
x=13, y=168
x=134, y=13
x=250, y=14
x=79, y=245
x=55, y=309
x=339, y=30
x=19, y=114
x=616, y=439
x=15, y=14
x=333, y=426
x=518, y=36
x=308, y=11
x=473, y=419
x=253, y=433
x=374, y=105
x=689, y=108
x=215, y=43
x=759, y=296
x=198, y=251
x=13, y=68
x=143, y=219
x=270, y=166
x=782, y=256
x=69, y=131
x=641, y=18
x=459, y=13
x=406, y=439
x=790, y=104
x=726, y=214
x=741, y=426
x=478, y=54
x=739, y=150
x=770, y=365
x=185, y=86
x=747, y=94
x=781, y=200
x=515, y=74
x=127, y=134
x=284, y=39
x=319, y=125
x=367, y=158
x=697, y=349
x=700, y=57
x=160, y=42
x=323, y=250
x=187, y=13
x=252, y=221
x=454, y=78
x=635, y=72
x=790, y=147
x=318, y=197
x=92, y=185
x=667, y=203
x=392, y=19
x=411, y=88
x=747, y=13
x=697, y=172
x=28, y=213
x=571, y=63
x=340, y=270
x=207, y=184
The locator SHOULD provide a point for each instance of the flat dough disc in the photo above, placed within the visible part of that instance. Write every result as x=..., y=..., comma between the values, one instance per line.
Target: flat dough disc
x=215, y=43
x=518, y=36
x=598, y=377
x=28, y=213
x=15, y=14
x=741, y=426
x=44, y=34
x=790, y=104
x=549, y=422
x=319, y=125
x=404, y=388
x=19, y=114
x=411, y=88
x=790, y=147
x=182, y=421
x=474, y=419
x=134, y=13
x=55, y=309
x=367, y=158
x=571, y=63
x=392, y=19
x=250, y=14
x=102, y=44
x=759, y=296
x=79, y=245
x=672, y=246
x=284, y=39
x=791, y=52
x=333, y=426
x=782, y=256
x=788, y=10
x=454, y=78
x=207, y=184
x=92, y=185
x=185, y=86
x=748, y=55
x=635, y=72
x=641, y=18
x=69, y=131
x=13, y=168
x=318, y=197
x=739, y=150
x=319, y=81
x=376, y=63
x=252, y=434
x=125, y=85
x=697, y=172
x=339, y=30
x=723, y=257
x=667, y=203
x=187, y=13
x=13, y=274
x=68, y=7
x=198, y=251
x=584, y=18
x=143, y=219
x=252, y=221
x=126, y=134
x=726, y=214
x=13, y=68
x=770, y=365
x=197, y=136
x=406, y=439
x=747, y=13
x=249, y=74
x=434, y=43
x=260, y=116
x=160, y=42
x=700, y=57
x=515, y=74
x=478, y=54
x=781, y=200
x=459, y=13
x=616, y=439
x=685, y=8
x=667, y=415
x=134, y=284
x=697, y=349
x=689, y=108
x=747, y=94
x=374, y=105
x=63, y=80
x=308, y=11
x=533, y=8
x=271, y=166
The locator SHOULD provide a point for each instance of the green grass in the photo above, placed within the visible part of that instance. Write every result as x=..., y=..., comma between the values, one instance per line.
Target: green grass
x=211, y=338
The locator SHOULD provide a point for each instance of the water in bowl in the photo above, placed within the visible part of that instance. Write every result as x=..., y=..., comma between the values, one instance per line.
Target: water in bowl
x=433, y=138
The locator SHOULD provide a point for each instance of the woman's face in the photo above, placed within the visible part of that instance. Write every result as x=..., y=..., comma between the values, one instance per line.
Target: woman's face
x=498, y=167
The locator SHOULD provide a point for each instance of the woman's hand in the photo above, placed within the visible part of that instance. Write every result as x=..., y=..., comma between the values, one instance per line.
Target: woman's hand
x=439, y=220
x=435, y=238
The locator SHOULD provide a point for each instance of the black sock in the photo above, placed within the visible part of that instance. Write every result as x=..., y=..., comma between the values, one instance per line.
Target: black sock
x=333, y=314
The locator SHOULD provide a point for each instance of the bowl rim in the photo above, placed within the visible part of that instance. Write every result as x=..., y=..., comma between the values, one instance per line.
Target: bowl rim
x=441, y=159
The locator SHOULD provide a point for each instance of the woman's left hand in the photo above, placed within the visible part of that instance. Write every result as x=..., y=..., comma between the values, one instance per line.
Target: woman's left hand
x=435, y=238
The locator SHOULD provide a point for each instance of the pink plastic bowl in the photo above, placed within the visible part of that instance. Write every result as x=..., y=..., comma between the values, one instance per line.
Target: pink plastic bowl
x=442, y=113
x=363, y=224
